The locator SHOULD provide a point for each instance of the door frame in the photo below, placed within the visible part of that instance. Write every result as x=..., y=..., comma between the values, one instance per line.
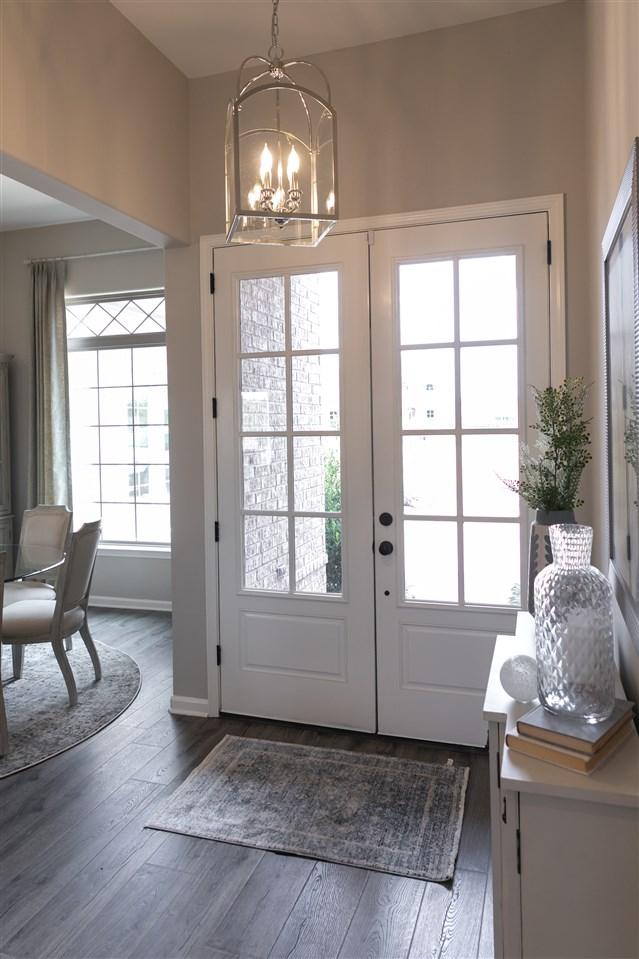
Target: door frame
x=553, y=205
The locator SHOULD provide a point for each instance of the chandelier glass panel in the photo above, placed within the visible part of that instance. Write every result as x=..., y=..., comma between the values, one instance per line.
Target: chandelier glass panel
x=280, y=153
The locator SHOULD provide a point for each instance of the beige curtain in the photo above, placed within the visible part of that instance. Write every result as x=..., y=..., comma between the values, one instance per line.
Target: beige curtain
x=52, y=441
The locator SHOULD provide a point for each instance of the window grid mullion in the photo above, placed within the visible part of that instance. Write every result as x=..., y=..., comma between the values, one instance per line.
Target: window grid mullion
x=461, y=598
x=290, y=470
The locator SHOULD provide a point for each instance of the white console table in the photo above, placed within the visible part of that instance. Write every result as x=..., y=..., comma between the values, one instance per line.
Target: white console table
x=565, y=847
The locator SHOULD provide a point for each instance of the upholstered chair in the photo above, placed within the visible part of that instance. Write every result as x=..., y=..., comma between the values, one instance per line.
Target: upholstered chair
x=42, y=526
x=4, y=735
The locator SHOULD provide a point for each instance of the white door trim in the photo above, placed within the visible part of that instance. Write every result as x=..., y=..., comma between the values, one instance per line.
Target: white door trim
x=553, y=205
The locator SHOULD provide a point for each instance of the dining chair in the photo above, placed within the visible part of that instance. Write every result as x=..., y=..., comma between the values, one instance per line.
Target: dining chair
x=41, y=526
x=4, y=734
x=52, y=621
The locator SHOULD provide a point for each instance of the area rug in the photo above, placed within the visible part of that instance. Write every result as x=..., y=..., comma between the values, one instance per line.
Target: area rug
x=392, y=815
x=41, y=722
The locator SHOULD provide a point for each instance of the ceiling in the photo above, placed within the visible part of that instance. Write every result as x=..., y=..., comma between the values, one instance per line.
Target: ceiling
x=202, y=37
x=23, y=208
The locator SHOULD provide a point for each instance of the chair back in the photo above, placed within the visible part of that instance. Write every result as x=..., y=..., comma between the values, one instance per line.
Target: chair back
x=73, y=590
x=46, y=526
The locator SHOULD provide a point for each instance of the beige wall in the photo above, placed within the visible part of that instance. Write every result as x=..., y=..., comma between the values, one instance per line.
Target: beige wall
x=612, y=58
x=86, y=100
x=485, y=111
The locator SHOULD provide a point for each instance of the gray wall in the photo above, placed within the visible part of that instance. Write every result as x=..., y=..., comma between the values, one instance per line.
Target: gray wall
x=137, y=579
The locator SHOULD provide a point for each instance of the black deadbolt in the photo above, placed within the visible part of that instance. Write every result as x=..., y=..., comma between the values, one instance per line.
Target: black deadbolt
x=385, y=519
x=385, y=548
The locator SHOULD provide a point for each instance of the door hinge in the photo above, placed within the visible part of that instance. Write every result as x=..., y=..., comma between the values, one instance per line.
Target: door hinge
x=549, y=252
x=217, y=531
x=218, y=650
x=628, y=548
x=519, y=852
x=498, y=770
x=504, y=813
x=214, y=407
x=212, y=282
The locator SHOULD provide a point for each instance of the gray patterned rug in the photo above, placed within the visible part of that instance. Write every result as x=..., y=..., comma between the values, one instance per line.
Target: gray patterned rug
x=41, y=722
x=376, y=812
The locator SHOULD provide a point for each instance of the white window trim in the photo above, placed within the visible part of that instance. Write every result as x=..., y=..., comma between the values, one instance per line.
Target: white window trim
x=134, y=551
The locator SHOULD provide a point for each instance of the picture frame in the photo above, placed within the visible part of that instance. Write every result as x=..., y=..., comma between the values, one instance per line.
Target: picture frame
x=620, y=259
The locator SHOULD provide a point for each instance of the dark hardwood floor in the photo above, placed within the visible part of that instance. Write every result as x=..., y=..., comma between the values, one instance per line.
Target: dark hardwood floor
x=81, y=877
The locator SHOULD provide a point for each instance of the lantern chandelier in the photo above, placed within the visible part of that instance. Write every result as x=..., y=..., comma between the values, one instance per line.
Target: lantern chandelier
x=280, y=153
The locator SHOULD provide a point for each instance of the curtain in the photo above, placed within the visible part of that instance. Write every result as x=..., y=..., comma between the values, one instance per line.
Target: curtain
x=52, y=440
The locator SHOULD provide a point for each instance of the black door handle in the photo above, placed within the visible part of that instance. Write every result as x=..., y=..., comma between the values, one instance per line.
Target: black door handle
x=385, y=519
x=385, y=548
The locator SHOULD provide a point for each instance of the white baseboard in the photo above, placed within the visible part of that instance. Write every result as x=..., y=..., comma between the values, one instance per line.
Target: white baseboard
x=125, y=602
x=189, y=706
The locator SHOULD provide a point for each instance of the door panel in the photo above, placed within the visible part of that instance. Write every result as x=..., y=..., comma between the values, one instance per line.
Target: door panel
x=295, y=485
x=459, y=318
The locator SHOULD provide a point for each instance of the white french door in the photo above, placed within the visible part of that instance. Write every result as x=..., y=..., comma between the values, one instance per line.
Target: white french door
x=295, y=487
x=459, y=332
x=334, y=609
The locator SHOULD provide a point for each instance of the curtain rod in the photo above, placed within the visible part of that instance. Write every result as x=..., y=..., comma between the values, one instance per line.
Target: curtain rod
x=86, y=256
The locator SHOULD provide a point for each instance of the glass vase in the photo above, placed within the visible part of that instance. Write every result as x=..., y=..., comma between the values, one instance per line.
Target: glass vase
x=573, y=630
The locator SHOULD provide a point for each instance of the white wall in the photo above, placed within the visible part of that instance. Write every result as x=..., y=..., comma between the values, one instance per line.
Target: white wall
x=119, y=580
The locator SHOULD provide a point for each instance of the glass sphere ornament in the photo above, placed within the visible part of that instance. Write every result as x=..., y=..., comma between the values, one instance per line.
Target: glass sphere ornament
x=518, y=676
x=573, y=630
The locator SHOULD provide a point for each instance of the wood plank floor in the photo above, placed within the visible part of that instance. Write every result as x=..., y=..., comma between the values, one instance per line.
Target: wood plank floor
x=80, y=876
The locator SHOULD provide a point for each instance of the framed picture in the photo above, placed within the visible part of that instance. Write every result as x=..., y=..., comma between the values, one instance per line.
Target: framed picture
x=621, y=305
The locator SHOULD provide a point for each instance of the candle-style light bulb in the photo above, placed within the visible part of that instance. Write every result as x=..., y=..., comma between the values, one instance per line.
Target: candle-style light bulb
x=266, y=165
x=292, y=168
x=254, y=196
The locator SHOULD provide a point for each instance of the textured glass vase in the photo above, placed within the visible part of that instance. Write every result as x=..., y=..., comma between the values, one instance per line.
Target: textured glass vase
x=573, y=630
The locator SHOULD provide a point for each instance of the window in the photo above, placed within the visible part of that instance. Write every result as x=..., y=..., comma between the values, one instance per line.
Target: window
x=119, y=415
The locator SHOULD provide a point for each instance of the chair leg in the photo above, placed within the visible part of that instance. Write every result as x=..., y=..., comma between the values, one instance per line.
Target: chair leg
x=17, y=654
x=67, y=672
x=68, y=644
x=90, y=645
x=4, y=730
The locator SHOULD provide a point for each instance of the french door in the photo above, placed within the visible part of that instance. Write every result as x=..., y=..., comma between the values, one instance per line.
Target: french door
x=369, y=554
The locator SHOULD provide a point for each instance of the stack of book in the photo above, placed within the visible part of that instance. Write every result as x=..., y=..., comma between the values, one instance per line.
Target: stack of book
x=571, y=743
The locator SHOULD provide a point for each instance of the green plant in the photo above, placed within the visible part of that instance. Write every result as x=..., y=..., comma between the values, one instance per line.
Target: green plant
x=333, y=500
x=550, y=473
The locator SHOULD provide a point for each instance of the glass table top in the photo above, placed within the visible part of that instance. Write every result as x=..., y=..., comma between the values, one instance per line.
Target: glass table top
x=23, y=561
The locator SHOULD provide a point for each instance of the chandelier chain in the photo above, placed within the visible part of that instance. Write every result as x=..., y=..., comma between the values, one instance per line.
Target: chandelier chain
x=275, y=49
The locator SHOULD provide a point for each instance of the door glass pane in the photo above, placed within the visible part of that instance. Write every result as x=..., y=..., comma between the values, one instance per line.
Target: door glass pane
x=427, y=302
x=492, y=563
x=315, y=311
x=263, y=391
x=262, y=314
x=428, y=389
x=115, y=367
x=318, y=555
x=486, y=462
x=316, y=461
x=430, y=475
x=489, y=387
x=266, y=553
x=430, y=561
x=488, y=298
x=316, y=392
x=265, y=473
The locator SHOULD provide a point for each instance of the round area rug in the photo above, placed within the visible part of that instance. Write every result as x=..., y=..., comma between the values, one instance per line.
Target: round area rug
x=41, y=722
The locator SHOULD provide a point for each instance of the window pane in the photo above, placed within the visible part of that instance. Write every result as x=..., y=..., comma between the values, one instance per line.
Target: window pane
x=489, y=387
x=266, y=553
x=263, y=393
x=316, y=392
x=427, y=302
x=488, y=298
x=118, y=484
x=151, y=444
x=315, y=311
x=151, y=405
x=84, y=512
x=83, y=408
x=116, y=406
x=430, y=558
x=428, y=389
x=154, y=524
x=265, y=475
x=115, y=367
x=118, y=523
x=486, y=461
x=131, y=317
x=86, y=483
x=317, y=474
x=85, y=444
x=153, y=484
x=149, y=365
x=318, y=555
x=491, y=564
x=83, y=369
x=116, y=444
x=430, y=475
x=262, y=314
